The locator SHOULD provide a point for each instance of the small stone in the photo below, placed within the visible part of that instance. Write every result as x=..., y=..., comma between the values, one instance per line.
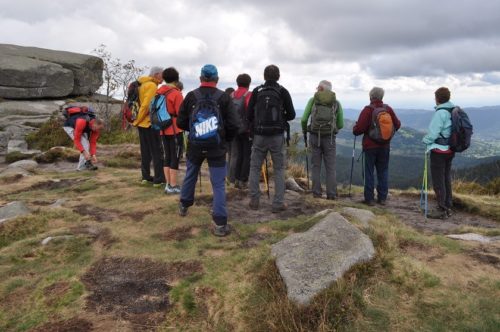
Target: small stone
x=49, y=239
x=474, y=237
x=28, y=165
x=58, y=203
x=13, y=210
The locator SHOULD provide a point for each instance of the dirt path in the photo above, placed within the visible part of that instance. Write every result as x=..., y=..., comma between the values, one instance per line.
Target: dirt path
x=408, y=210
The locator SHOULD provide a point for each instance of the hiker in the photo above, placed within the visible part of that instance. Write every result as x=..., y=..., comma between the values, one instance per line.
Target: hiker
x=208, y=114
x=232, y=152
x=242, y=143
x=172, y=138
x=269, y=109
x=377, y=123
x=441, y=156
x=327, y=118
x=148, y=138
x=84, y=129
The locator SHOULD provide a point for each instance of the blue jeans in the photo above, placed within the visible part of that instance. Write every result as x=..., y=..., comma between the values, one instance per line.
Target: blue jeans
x=376, y=158
x=217, y=178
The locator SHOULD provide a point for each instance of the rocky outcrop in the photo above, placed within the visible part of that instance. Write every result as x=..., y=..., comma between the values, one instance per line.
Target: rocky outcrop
x=311, y=261
x=32, y=72
x=12, y=210
x=364, y=217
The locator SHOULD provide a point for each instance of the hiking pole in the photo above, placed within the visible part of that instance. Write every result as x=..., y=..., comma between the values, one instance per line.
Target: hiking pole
x=352, y=165
x=267, y=180
x=307, y=159
x=200, y=180
x=424, y=191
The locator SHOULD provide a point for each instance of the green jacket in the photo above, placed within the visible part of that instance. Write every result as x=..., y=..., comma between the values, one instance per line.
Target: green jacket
x=307, y=114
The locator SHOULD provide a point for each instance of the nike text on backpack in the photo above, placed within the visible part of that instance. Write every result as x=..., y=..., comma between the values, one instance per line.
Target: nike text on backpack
x=269, y=111
x=461, y=131
x=131, y=107
x=72, y=113
x=239, y=106
x=158, y=112
x=205, y=123
x=382, y=128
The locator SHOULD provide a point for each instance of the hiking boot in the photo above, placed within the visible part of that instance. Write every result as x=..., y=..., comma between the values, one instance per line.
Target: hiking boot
x=278, y=208
x=242, y=185
x=369, y=203
x=146, y=182
x=331, y=198
x=437, y=214
x=168, y=189
x=382, y=202
x=449, y=212
x=90, y=167
x=176, y=190
x=254, y=204
x=317, y=196
x=183, y=210
x=221, y=230
x=158, y=185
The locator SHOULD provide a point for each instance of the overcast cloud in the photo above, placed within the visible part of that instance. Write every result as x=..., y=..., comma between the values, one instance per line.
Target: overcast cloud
x=409, y=47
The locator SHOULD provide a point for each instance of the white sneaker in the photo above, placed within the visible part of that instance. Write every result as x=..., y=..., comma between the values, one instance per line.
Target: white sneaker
x=168, y=189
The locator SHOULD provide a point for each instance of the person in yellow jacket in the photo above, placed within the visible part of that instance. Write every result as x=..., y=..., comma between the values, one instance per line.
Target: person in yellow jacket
x=148, y=137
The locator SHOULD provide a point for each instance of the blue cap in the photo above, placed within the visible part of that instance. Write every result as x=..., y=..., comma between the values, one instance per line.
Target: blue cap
x=209, y=71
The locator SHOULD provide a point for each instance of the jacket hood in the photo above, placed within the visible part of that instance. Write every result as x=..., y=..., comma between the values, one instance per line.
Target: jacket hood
x=447, y=105
x=145, y=79
x=326, y=98
x=165, y=88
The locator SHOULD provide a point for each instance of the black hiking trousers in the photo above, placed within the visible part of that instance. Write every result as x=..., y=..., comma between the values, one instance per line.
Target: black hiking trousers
x=441, y=178
x=151, y=151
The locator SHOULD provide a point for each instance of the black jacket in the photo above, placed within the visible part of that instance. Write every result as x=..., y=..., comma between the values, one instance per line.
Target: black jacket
x=289, y=110
x=229, y=116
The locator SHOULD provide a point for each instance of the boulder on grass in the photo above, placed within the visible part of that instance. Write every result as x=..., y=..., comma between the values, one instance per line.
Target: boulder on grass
x=13, y=210
x=310, y=262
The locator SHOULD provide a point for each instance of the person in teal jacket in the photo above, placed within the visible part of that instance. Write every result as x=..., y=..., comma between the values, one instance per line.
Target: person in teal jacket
x=327, y=118
x=441, y=156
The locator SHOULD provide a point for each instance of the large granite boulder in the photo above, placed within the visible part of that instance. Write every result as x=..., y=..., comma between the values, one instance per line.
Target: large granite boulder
x=13, y=210
x=311, y=261
x=32, y=72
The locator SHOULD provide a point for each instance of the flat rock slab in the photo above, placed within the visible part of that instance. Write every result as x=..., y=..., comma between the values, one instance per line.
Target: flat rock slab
x=474, y=237
x=27, y=165
x=310, y=262
x=363, y=216
x=13, y=210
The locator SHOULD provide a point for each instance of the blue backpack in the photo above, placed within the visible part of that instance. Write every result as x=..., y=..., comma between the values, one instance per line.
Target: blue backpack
x=205, y=122
x=158, y=112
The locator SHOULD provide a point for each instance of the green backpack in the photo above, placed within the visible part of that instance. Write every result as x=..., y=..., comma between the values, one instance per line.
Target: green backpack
x=324, y=114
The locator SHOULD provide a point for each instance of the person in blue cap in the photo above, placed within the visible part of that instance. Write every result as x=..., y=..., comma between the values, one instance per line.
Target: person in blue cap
x=209, y=116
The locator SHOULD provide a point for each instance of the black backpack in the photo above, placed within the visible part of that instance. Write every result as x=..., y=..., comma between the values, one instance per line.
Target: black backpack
x=461, y=131
x=240, y=107
x=269, y=111
x=205, y=122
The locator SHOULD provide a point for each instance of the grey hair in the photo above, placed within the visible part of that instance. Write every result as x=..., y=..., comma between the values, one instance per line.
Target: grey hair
x=155, y=70
x=326, y=85
x=377, y=93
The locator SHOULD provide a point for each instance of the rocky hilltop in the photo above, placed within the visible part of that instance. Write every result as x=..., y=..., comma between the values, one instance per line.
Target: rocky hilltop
x=32, y=72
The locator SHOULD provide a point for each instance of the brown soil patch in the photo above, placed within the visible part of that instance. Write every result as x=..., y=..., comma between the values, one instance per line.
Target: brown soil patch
x=55, y=291
x=101, y=235
x=56, y=184
x=238, y=210
x=489, y=255
x=254, y=240
x=96, y=213
x=134, y=289
x=11, y=179
x=215, y=253
x=71, y=325
x=180, y=233
x=135, y=215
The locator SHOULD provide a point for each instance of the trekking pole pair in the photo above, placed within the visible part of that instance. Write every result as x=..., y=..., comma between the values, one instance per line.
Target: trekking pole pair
x=424, y=201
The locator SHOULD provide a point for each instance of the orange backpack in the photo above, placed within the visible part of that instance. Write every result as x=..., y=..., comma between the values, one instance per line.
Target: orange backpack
x=382, y=128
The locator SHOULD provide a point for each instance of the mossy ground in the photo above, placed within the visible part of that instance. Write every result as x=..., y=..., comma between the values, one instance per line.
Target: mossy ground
x=417, y=282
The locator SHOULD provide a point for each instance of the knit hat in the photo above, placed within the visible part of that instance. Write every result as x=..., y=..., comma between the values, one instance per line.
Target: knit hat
x=209, y=71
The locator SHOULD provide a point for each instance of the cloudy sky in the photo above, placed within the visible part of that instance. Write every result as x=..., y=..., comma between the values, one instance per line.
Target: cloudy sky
x=408, y=47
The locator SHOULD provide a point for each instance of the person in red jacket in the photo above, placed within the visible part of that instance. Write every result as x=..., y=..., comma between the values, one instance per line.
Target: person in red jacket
x=376, y=154
x=171, y=139
x=84, y=132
